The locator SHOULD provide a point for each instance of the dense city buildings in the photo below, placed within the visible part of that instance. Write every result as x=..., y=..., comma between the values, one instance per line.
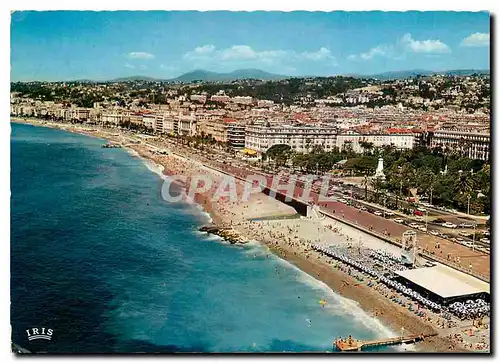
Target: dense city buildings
x=433, y=111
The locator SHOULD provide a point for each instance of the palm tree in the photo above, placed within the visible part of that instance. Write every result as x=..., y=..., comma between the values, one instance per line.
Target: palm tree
x=378, y=184
x=465, y=183
x=365, y=183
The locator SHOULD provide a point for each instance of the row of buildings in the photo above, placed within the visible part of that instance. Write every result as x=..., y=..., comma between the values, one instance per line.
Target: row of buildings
x=258, y=135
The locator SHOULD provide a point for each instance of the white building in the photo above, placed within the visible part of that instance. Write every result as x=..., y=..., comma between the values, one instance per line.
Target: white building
x=220, y=98
x=243, y=100
x=301, y=138
x=476, y=145
x=399, y=141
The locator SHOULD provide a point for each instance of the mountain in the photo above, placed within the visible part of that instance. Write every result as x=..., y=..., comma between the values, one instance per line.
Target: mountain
x=134, y=78
x=207, y=76
x=422, y=72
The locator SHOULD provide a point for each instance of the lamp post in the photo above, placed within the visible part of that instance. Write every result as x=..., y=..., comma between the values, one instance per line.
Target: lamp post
x=430, y=199
x=468, y=204
x=401, y=190
x=474, y=237
x=426, y=215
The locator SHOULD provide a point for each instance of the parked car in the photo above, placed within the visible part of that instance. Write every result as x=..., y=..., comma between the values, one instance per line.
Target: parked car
x=468, y=244
x=485, y=240
x=422, y=228
x=398, y=220
x=418, y=213
x=413, y=225
x=434, y=233
x=389, y=214
x=449, y=225
x=464, y=234
x=421, y=209
x=466, y=225
x=363, y=208
x=377, y=213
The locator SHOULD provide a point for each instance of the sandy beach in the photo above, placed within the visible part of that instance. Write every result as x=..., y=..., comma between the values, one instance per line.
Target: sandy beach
x=290, y=236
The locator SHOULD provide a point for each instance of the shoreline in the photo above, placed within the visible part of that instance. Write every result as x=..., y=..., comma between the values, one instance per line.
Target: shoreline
x=310, y=262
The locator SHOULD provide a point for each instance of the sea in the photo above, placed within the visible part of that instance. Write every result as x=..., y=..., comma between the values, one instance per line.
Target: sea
x=98, y=257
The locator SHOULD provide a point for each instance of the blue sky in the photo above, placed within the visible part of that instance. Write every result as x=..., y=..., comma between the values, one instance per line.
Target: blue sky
x=105, y=45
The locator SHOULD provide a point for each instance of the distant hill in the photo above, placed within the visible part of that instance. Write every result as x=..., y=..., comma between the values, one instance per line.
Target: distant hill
x=207, y=76
x=422, y=72
x=133, y=78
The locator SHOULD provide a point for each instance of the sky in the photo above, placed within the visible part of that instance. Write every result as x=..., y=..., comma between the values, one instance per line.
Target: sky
x=69, y=45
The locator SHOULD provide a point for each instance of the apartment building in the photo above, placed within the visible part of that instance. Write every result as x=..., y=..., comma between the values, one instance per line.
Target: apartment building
x=186, y=125
x=235, y=134
x=475, y=144
x=213, y=128
x=243, y=100
x=220, y=98
x=399, y=141
x=198, y=98
x=301, y=138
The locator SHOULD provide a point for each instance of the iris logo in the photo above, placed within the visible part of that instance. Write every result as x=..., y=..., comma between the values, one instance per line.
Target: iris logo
x=39, y=333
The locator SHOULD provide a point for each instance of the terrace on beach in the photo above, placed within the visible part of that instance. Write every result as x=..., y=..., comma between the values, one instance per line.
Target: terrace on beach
x=445, y=284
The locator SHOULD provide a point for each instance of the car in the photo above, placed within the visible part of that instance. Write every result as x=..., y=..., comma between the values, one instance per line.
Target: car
x=418, y=213
x=413, y=225
x=485, y=240
x=466, y=225
x=434, y=233
x=444, y=235
x=419, y=218
x=389, y=214
x=362, y=208
x=377, y=213
x=459, y=240
x=468, y=244
x=449, y=225
x=464, y=234
x=342, y=200
x=421, y=209
x=422, y=228
x=398, y=220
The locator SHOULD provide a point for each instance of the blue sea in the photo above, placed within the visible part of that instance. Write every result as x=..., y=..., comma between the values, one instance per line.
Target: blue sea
x=101, y=259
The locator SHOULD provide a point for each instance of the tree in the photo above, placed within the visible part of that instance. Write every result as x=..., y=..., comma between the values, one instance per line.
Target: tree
x=280, y=153
x=366, y=146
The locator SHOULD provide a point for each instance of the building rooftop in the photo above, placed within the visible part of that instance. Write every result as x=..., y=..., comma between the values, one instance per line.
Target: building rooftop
x=445, y=282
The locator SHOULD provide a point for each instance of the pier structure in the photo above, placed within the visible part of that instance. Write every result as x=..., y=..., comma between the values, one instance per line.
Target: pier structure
x=353, y=345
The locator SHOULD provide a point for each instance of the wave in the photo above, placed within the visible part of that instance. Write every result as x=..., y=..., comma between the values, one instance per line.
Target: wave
x=155, y=168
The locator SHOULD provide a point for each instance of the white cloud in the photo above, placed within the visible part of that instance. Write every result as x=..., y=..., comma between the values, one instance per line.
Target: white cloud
x=404, y=45
x=246, y=53
x=128, y=65
x=476, y=40
x=424, y=46
x=143, y=66
x=205, y=49
x=381, y=50
x=322, y=54
x=140, y=55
